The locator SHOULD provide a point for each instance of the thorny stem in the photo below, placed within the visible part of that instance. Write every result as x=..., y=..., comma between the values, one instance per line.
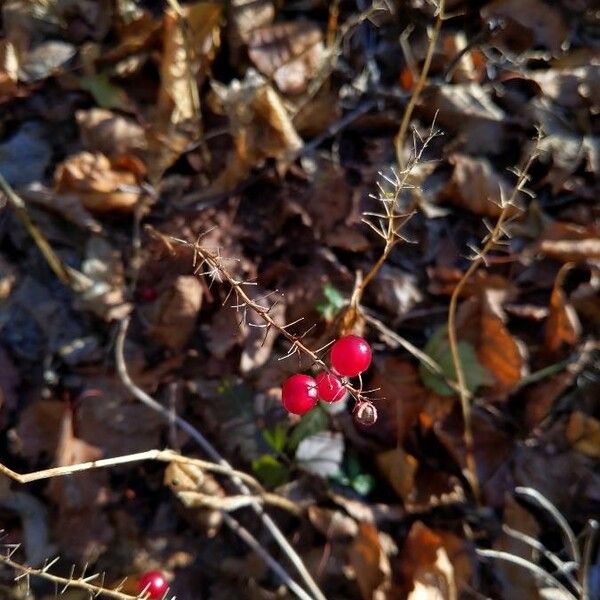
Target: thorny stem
x=399, y=141
x=212, y=452
x=214, y=262
x=465, y=397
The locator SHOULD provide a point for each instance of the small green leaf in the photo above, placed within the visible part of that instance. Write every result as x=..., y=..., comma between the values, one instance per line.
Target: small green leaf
x=276, y=437
x=363, y=484
x=438, y=349
x=333, y=302
x=312, y=422
x=105, y=93
x=270, y=471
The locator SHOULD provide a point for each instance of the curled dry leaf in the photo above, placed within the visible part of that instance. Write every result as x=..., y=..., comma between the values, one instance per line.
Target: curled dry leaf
x=370, y=563
x=112, y=134
x=176, y=311
x=189, y=40
x=103, y=185
x=290, y=53
x=261, y=124
x=562, y=326
x=475, y=186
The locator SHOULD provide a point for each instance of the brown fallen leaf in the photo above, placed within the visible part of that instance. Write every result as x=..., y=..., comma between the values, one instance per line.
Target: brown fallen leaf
x=107, y=132
x=540, y=398
x=476, y=187
x=562, y=326
x=103, y=185
x=333, y=524
x=176, y=311
x=583, y=433
x=480, y=322
x=425, y=566
x=544, y=24
x=244, y=17
x=567, y=242
x=370, y=563
x=290, y=53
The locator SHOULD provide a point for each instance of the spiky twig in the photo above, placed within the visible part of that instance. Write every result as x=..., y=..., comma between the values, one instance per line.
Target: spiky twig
x=489, y=243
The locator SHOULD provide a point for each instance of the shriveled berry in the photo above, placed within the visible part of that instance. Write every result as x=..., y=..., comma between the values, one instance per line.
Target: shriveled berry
x=153, y=584
x=350, y=355
x=365, y=413
x=329, y=387
x=299, y=394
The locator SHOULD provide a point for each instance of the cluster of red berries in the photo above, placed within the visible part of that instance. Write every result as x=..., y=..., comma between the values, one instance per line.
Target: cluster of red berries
x=350, y=356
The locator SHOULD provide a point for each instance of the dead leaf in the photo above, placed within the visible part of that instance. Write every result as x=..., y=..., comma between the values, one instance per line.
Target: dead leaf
x=480, y=322
x=102, y=185
x=244, y=17
x=562, y=326
x=176, y=312
x=583, y=433
x=544, y=23
x=399, y=468
x=370, y=563
x=261, y=124
x=189, y=39
x=426, y=566
x=540, y=398
x=111, y=134
x=290, y=53
x=567, y=242
x=476, y=187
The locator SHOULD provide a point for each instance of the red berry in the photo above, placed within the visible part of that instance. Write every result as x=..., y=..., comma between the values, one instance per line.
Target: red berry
x=153, y=584
x=147, y=293
x=329, y=387
x=351, y=355
x=299, y=394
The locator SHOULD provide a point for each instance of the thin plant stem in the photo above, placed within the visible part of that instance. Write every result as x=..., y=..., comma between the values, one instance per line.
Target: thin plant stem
x=465, y=397
x=400, y=137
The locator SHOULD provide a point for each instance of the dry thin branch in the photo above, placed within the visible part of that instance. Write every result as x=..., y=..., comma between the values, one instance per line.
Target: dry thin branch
x=399, y=141
x=212, y=452
x=490, y=242
x=82, y=582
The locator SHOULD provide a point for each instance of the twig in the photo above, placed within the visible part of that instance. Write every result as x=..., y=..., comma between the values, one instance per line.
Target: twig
x=83, y=583
x=490, y=243
x=587, y=558
x=542, y=501
x=399, y=141
x=214, y=455
x=532, y=567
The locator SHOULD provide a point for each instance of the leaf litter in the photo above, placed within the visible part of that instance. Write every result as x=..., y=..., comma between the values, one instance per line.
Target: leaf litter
x=262, y=131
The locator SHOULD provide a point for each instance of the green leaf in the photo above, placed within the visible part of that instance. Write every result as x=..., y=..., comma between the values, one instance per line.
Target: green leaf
x=312, y=422
x=270, y=471
x=438, y=349
x=105, y=93
x=334, y=301
x=363, y=484
x=276, y=437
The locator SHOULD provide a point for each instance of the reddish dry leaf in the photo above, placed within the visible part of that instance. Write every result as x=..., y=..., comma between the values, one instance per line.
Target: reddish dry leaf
x=562, y=326
x=443, y=281
x=425, y=566
x=476, y=187
x=583, y=433
x=176, y=312
x=540, y=398
x=370, y=563
x=290, y=53
x=103, y=185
